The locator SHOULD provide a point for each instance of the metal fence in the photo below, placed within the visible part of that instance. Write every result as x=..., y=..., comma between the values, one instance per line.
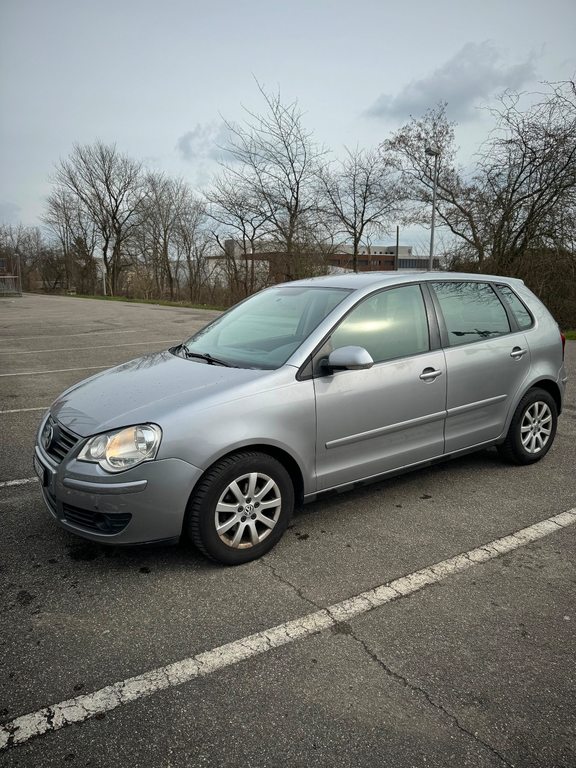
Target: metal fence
x=10, y=285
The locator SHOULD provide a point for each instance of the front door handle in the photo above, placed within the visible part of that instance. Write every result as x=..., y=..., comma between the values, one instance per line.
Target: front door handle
x=517, y=353
x=429, y=374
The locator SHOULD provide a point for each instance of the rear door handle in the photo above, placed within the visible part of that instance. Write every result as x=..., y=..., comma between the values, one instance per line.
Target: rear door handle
x=429, y=374
x=517, y=353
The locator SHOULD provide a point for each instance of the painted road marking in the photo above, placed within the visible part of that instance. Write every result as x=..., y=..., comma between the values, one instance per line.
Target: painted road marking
x=23, y=410
x=61, y=370
x=51, y=335
x=81, y=708
x=75, y=349
x=24, y=481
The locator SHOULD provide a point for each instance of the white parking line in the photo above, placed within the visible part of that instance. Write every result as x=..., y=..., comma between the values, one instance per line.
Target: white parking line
x=60, y=370
x=76, y=349
x=24, y=481
x=66, y=335
x=112, y=696
x=23, y=410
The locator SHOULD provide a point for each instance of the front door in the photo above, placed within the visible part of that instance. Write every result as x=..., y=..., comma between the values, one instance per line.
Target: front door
x=391, y=415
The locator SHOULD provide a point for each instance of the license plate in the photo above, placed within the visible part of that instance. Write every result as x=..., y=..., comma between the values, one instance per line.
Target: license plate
x=39, y=469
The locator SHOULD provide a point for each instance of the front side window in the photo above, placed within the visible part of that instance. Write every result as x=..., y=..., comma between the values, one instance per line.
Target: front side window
x=472, y=312
x=389, y=325
x=264, y=330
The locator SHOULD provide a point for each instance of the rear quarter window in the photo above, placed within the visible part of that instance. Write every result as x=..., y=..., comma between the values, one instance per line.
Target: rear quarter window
x=521, y=314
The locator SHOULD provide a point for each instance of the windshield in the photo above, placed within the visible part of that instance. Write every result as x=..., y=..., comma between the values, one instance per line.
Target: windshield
x=264, y=330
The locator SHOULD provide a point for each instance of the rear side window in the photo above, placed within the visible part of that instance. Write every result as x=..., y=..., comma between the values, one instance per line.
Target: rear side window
x=472, y=312
x=523, y=317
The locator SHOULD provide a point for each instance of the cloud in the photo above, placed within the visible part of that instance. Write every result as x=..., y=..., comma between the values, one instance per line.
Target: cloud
x=474, y=73
x=207, y=141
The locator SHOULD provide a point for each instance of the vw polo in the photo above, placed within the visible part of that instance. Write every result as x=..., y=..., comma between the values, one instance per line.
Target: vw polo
x=306, y=387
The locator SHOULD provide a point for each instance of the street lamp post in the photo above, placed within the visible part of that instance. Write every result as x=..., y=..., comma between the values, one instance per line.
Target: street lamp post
x=435, y=153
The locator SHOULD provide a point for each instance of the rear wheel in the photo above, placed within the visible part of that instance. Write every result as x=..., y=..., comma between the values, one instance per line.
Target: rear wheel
x=532, y=429
x=241, y=508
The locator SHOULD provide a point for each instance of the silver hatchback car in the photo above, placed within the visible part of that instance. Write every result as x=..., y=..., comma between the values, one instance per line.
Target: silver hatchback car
x=307, y=387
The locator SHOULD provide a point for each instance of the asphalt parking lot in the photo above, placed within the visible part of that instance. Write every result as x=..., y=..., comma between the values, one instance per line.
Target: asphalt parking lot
x=477, y=669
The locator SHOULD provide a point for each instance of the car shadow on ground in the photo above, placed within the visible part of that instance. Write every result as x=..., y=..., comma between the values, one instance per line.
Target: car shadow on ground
x=410, y=483
x=183, y=555
x=143, y=557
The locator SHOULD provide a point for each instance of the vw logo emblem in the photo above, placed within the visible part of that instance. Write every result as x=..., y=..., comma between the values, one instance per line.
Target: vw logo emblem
x=47, y=435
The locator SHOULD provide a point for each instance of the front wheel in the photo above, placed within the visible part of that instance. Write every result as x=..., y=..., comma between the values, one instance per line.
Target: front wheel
x=532, y=429
x=240, y=508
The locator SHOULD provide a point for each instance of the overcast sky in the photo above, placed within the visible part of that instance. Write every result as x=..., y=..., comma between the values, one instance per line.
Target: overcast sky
x=154, y=76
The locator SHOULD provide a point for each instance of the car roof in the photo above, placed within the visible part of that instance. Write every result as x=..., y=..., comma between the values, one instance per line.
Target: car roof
x=362, y=280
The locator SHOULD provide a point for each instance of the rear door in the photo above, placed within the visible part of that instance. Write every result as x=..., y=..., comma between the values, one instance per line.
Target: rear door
x=487, y=360
x=391, y=415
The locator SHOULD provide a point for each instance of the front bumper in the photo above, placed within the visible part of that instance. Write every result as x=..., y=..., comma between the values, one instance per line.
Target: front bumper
x=144, y=504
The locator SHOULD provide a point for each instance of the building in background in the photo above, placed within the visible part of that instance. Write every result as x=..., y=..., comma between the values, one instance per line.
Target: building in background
x=268, y=265
x=380, y=258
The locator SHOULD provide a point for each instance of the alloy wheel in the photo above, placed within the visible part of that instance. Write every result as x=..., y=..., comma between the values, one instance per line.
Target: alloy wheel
x=248, y=510
x=536, y=427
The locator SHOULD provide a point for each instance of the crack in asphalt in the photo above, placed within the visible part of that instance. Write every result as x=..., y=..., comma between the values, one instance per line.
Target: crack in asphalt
x=339, y=623
x=11, y=731
x=283, y=580
x=50, y=718
x=335, y=617
x=424, y=693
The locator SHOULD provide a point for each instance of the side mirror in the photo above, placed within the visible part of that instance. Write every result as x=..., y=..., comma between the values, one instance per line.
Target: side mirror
x=350, y=359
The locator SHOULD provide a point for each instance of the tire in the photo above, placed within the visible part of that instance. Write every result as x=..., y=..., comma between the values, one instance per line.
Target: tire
x=250, y=497
x=532, y=429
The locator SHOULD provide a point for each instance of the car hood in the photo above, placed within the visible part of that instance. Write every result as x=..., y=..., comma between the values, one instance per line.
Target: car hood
x=144, y=390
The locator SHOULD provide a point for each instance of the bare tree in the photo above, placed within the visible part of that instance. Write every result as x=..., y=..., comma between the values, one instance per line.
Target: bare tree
x=360, y=195
x=108, y=185
x=239, y=217
x=513, y=211
x=528, y=172
x=192, y=242
x=274, y=157
x=458, y=206
x=523, y=175
x=162, y=208
x=30, y=255
x=76, y=234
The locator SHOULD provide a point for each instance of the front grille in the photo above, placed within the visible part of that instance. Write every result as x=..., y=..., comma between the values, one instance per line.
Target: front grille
x=95, y=521
x=62, y=441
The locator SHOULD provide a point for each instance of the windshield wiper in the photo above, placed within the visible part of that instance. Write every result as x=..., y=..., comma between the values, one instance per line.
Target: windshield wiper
x=204, y=356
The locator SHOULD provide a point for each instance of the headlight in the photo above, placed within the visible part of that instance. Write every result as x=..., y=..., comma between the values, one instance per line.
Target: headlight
x=124, y=448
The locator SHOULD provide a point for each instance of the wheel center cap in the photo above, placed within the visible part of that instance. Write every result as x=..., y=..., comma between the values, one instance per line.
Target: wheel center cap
x=249, y=508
